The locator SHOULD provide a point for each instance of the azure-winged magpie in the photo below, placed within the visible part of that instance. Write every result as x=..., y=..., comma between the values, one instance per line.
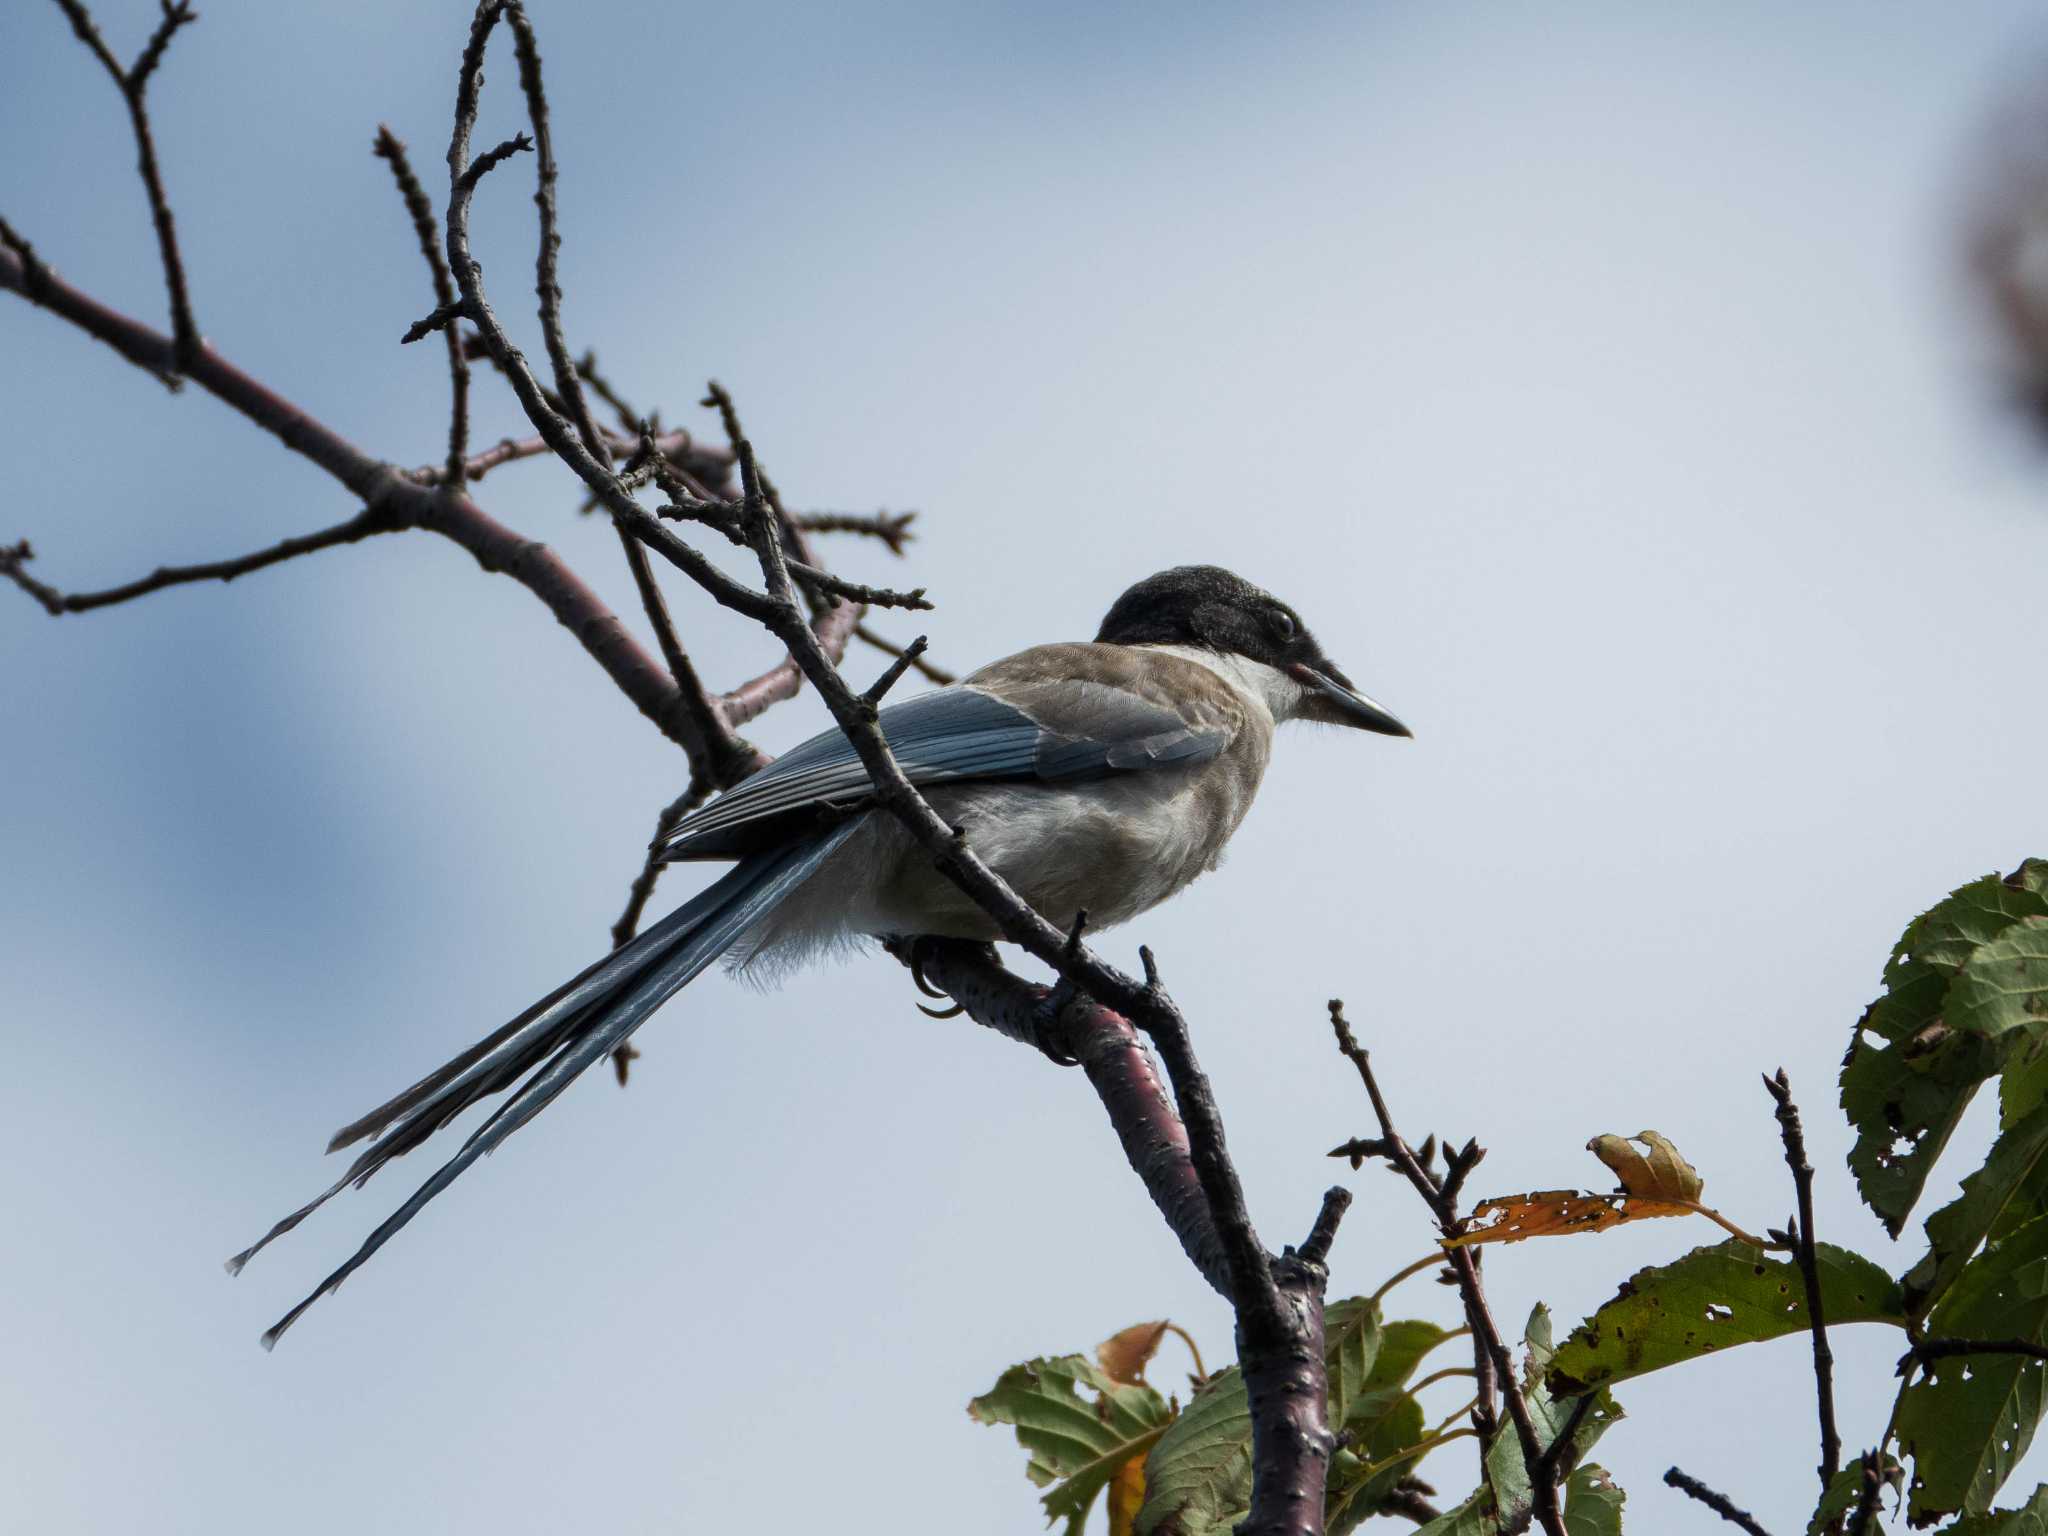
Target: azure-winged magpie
x=1101, y=778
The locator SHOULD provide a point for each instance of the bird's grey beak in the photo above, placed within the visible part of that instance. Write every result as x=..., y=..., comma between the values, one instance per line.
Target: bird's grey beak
x=1336, y=701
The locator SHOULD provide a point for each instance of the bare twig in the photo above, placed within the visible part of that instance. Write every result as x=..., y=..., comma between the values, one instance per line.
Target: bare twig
x=892, y=528
x=889, y=647
x=1411, y=1504
x=1693, y=1488
x=1489, y=1357
x=1780, y=1090
x=1868, y=1494
x=1944, y=1349
x=133, y=84
x=391, y=151
x=364, y=524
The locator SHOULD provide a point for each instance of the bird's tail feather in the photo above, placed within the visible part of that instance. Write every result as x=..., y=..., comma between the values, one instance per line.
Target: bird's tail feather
x=557, y=1039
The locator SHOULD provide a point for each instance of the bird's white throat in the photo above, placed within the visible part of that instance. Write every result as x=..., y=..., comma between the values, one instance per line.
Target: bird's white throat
x=1273, y=690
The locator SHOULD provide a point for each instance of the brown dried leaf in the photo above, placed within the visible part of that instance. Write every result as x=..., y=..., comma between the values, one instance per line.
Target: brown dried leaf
x=1549, y=1213
x=1125, y=1354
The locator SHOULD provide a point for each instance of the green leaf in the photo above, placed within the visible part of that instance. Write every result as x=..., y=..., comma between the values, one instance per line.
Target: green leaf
x=1905, y=1091
x=1912, y=1067
x=1384, y=1419
x=1198, y=1478
x=1843, y=1491
x=2007, y=1191
x=1077, y=1443
x=1943, y=937
x=1968, y=1419
x=1503, y=1501
x=2004, y=984
x=2030, y=1520
x=1351, y=1347
x=1592, y=1503
x=1710, y=1299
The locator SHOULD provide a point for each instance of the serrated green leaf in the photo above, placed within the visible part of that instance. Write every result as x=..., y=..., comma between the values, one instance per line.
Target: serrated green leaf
x=1968, y=1419
x=1713, y=1298
x=1944, y=936
x=1906, y=1097
x=1198, y=1478
x=1384, y=1419
x=1592, y=1503
x=2009, y=1190
x=2004, y=984
x=1912, y=1068
x=1843, y=1491
x=1351, y=1347
x=1077, y=1443
x=2031, y=1519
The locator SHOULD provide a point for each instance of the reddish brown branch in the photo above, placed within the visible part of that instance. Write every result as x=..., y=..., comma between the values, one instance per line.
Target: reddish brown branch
x=133, y=84
x=496, y=547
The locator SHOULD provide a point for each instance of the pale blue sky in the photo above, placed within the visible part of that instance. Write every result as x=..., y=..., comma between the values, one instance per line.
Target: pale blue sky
x=1593, y=378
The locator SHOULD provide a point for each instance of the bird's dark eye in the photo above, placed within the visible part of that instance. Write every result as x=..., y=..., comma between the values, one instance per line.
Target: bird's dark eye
x=1282, y=624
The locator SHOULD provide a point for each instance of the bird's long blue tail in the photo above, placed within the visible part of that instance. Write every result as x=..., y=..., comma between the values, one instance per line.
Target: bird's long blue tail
x=555, y=1040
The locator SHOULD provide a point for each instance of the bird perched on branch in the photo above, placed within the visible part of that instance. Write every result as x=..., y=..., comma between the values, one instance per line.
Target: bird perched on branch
x=1097, y=778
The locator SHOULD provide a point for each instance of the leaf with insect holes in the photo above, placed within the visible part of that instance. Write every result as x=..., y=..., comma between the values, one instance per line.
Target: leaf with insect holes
x=1968, y=1419
x=1078, y=1443
x=1592, y=1502
x=1913, y=1065
x=1660, y=1184
x=1731, y=1293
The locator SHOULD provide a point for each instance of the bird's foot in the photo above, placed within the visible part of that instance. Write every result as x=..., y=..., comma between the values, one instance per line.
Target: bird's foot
x=919, y=948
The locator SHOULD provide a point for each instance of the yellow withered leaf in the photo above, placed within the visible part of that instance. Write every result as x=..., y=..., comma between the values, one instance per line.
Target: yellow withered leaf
x=1661, y=1177
x=1126, y=1497
x=1124, y=1355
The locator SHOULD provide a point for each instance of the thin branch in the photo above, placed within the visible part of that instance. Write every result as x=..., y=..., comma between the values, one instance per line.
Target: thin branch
x=893, y=672
x=1787, y=1112
x=496, y=548
x=363, y=525
x=1867, y=1496
x=889, y=647
x=892, y=528
x=489, y=161
x=1693, y=1488
x=133, y=84
x=1411, y=1504
x=1944, y=1349
x=1488, y=1354
x=389, y=149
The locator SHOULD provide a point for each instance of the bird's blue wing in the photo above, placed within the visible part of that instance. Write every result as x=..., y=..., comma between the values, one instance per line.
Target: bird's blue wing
x=943, y=737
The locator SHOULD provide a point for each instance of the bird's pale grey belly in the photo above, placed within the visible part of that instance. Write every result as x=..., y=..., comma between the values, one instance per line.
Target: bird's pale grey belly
x=1114, y=849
